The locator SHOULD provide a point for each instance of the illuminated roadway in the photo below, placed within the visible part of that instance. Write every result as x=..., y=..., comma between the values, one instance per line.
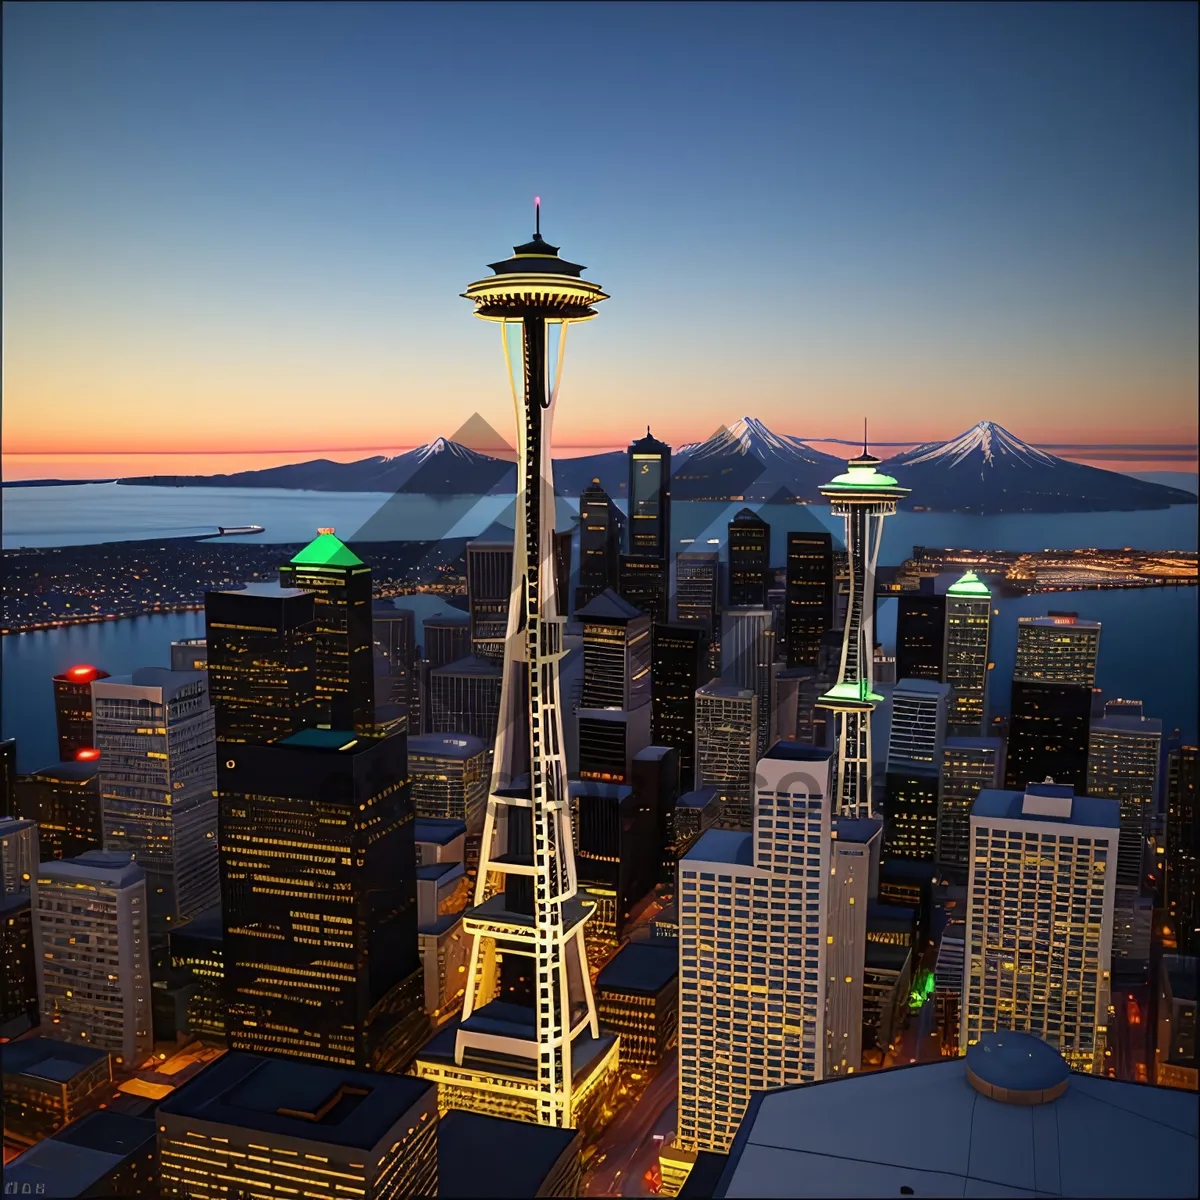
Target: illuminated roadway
x=628, y=1146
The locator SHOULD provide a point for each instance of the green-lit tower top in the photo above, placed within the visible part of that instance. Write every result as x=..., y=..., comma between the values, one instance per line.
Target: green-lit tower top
x=969, y=585
x=326, y=550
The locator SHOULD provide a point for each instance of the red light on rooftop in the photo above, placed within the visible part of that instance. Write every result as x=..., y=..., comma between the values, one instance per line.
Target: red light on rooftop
x=87, y=754
x=83, y=673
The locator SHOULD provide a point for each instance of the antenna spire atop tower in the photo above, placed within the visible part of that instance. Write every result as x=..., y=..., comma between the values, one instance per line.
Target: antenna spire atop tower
x=864, y=436
x=537, y=216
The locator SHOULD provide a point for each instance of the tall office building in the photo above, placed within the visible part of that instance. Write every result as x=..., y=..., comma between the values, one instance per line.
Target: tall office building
x=727, y=748
x=697, y=590
x=18, y=967
x=447, y=639
x=252, y=1126
x=853, y=886
x=341, y=585
x=394, y=633
x=680, y=666
x=614, y=706
x=1123, y=757
x=1057, y=648
x=809, y=588
x=8, y=774
x=747, y=652
x=752, y=950
x=863, y=497
x=601, y=526
x=90, y=946
x=910, y=810
x=1048, y=733
x=644, y=582
x=918, y=730
x=650, y=498
x=464, y=697
x=318, y=893
x=968, y=625
x=64, y=801
x=921, y=634
x=262, y=664
x=1183, y=838
x=18, y=854
x=73, y=709
x=489, y=578
x=158, y=782
x=1039, y=919
x=749, y=558
x=538, y=1055
x=655, y=782
x=969, y=764
x=450, y=773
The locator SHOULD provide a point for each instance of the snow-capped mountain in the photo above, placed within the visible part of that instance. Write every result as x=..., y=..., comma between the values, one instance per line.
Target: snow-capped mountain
x=989, y=470
x=748, y=460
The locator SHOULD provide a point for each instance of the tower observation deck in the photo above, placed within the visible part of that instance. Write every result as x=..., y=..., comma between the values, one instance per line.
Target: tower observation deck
x=863, y=496
x=528, y=1044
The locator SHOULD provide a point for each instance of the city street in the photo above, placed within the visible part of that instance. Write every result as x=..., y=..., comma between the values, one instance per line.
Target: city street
x=628, y=1147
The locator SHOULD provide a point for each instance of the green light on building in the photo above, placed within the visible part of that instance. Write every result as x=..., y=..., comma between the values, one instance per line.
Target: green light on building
x=969, y=585
x=325, y=550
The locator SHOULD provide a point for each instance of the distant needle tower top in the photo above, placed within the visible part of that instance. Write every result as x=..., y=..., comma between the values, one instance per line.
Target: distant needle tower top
x=864, y=497
x=529, y=1041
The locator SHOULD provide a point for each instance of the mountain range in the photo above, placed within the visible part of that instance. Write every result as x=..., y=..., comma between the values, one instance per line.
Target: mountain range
x=984, y=470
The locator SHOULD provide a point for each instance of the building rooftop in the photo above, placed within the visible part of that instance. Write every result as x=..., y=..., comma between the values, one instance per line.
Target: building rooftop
x=1092, y=811
x=645, y=967
x=856, y=829
x=150, y=677
x=608, y=606
x=269, y=591
x=470, y=665
x=208, y=925
x=438, y=831
x=436, y=870
x=114, y=1132
x=929, y=687
x=94, y=866
x=700, y=798
x=71, y=771
x=723, y=846
x=798, y=752
x=974, y=743
x=60, y=1169
x=47, y=1058
x=1181, y=973
x=326, y=550
x=1120, y=723
x=299, y=1100
x=517, y=1157
x=654, y=753
x=936, y=1134
x=1063, y=619
x=444, y=745
x=322, y=739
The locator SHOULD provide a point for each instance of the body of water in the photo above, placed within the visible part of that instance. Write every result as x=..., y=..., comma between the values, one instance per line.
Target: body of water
x=91, y=513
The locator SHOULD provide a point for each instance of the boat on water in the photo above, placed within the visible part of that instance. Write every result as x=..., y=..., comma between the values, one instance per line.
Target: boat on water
x=226, y=530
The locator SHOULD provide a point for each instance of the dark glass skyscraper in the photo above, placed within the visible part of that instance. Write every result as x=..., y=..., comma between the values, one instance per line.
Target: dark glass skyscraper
x=697, y=590
x=809, y=611
x=600, y=528
x=1048, y=734
x=261, y=662
x=447, y=639
x=643, y=581
x=921, y=637
x=1183, y=840
x=64, y=800
x=73, y=709
x=318, y=874
x=650, y=498
x=680, y=666
x=489, y=592
x=749, y=557
x=341, y=584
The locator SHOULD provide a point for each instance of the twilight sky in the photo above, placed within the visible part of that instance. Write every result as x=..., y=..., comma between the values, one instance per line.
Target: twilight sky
x=245, y=227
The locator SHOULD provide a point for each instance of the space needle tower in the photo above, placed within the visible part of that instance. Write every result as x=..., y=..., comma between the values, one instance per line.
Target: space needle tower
x=528, y=1043
x=863, y=496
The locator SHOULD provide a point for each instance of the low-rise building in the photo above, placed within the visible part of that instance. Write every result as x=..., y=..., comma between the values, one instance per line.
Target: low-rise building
x=637, y=996
x=493, y=1158
x=47, y=1084
x=103, y=1154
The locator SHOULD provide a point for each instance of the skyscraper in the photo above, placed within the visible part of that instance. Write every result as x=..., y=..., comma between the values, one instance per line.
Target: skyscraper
x=921, y=634
x=747, y=652
x=752, y=950
x=643, y=581
x=447, y=639
x=1048, y=733
x=650, y=498
x=73, y=709
x=464, y=697
x=749, y=558
x=697, y=590
x=1183, y=838
x=727, y=748
x=318, y=881
x=864, y=497
x=64, y=800
x=341, y=585
x=809, y=587
x=1123, y=756
x=600, y=532
x=614, y=706
x=90, y=946
x=450, y=776
x=489, y=577
x=536, y=920
x=680, y=666
x=918, y=729
x=262, y=662
x=394, y=632
x=18, y=854
x=1039, y=919
x=1057, y=648
x=158, y=782
x=968, y=624
x=968, y=766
